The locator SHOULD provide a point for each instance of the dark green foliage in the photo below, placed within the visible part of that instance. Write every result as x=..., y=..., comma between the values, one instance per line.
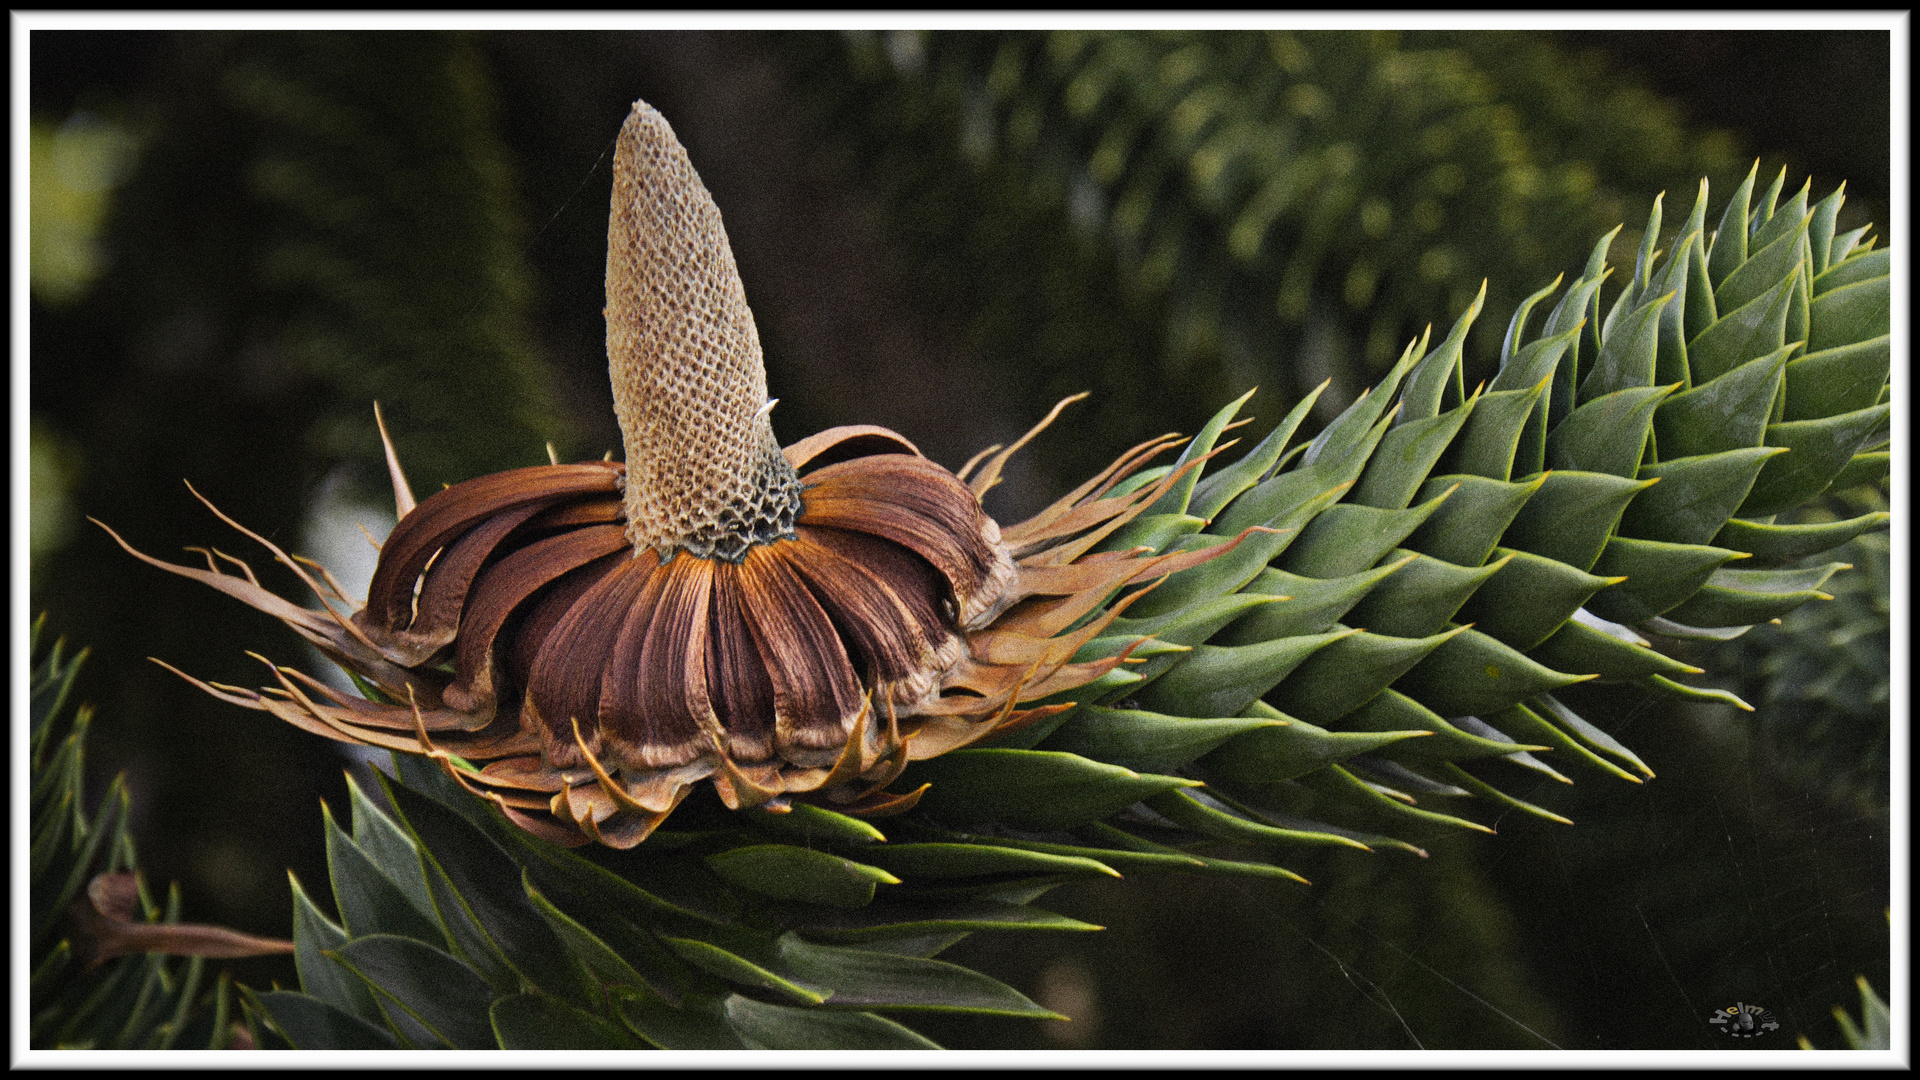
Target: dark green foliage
x=1303, y=734
x=715, y=936
x=1821, y=676
x=315, y=222
x=1309, y=195
x=80, y=1000
x=1516, y=556
x=1874, y=1031
x=1368, y=713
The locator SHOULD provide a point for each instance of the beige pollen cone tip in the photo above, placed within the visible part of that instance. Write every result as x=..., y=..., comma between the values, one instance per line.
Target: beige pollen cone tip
x=689, y=385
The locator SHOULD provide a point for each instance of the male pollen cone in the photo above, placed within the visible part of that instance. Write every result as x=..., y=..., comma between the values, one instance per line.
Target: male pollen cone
x=584, y=643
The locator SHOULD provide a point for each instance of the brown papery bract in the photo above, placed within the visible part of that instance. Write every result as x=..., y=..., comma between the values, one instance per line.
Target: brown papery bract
x=591, y=641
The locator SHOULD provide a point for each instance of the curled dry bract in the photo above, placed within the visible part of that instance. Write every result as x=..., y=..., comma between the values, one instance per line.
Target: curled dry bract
x=516, y=635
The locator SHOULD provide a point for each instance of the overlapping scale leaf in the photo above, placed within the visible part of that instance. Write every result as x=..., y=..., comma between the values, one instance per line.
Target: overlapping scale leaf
x=1497, y=544
x=726, y=934
x=1381, y=658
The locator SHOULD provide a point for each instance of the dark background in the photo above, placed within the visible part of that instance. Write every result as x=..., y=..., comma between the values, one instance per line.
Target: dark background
x=1717, y=880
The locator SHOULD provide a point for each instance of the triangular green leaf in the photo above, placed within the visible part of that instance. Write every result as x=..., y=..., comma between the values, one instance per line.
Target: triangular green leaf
x=1726, y=414
x=1695, y=495
x=1838, y=380
x=319, y=976
x=1659, y=575
x=1472, y=673
x=780, y=1027
x=793, y=873
x=1348, y=673
x=1571, y=516
x=1850, y=313
x=1419, y=599
x=1819, y=450
x=439, y=993
x=1607, y=434
x=538, y=1022
x=1029, y=788
x=863, y=979
x=312, y=1024
x=1144, y=741
x=1345, y=539
x=1528, y=599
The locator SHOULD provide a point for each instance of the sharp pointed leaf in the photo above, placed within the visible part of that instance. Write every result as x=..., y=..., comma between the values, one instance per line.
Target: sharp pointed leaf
x=1728, y=413
x=1849, y=313
x=944, y=860
x=538, y=1022
x=1145, y=741
x=1571, y=516
x=1226, y=573
x=1205, y=815
x=781, y=1027
x=1282, y=751
x=1342, y=788
x=1746, y=597
x=478, y=896
x=1764, y=269
x=1217, y=680
x=1312, y=605
x=1784, y=543
x=1419, y=599
x=319, y=976
x=1730, y=239
x=1659, y=576
x=1579, y=647
x=1465, y=529
x=863, y=979
x=1866, y=267
x=1577, y=726
x=1838, y=380
x=740, y=971
x=1404, y=458
x=1472, y=674
x=1607, y=434
x=1695, y=495
x=1819, y=450
x=1741, y=334
x=312, y=1024
x=439, y=993
x=1217, y=489
x=814, y=825
x=1345, y=539
x=1528, y=599
x=1435, y=382
x=368, y=901
x=794, y=873
x=1176, y=497
x=1492, y=436
x=1626, y=359
x=1030, y=788
x=1525, y=723
x=388, y=846
x=1153, y=531
x=1197, y=623
x=1348, y=673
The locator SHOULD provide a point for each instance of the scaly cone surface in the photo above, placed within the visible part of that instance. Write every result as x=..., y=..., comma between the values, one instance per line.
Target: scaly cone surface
x=689, y=384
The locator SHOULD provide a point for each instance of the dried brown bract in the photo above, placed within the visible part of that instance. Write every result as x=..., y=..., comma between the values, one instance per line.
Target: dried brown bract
x=585, y=643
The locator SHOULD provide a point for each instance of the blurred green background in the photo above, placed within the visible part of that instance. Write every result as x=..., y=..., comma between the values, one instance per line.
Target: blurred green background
x=240, y=240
